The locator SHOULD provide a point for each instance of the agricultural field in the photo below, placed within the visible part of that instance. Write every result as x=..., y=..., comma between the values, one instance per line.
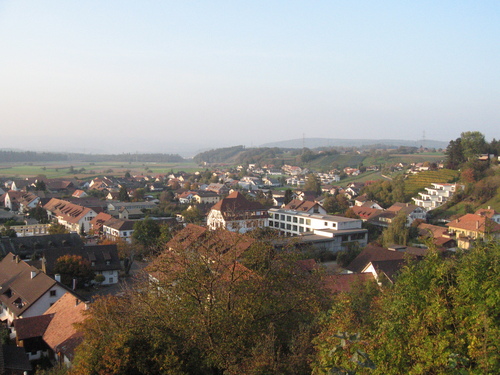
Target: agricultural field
x=86, y=170
x=417, y=182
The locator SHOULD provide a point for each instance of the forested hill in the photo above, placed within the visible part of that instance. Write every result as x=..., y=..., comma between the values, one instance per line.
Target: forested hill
x=30, y=156
x=242, y=155
x=318, y=159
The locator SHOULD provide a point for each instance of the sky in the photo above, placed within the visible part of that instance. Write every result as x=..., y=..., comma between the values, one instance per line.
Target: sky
x=171, y=76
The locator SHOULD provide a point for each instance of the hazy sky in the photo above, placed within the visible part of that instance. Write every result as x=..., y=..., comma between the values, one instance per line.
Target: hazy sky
x=159, y=75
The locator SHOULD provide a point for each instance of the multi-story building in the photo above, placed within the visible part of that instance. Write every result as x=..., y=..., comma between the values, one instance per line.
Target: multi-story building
x=237, y=214
x=332, y=232
x=436, y=195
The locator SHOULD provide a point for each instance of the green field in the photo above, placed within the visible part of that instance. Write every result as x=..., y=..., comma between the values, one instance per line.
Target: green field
x=85, y=170
x=417, y=182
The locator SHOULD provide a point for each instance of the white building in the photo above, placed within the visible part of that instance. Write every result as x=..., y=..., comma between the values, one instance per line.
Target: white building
x=334, y=232
x=436, y=195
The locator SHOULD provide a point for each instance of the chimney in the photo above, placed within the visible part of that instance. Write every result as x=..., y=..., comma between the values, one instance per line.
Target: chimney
x=57, y=277
x=477, y=225
x=18, y=259
x=74, y=284
x=33, y=274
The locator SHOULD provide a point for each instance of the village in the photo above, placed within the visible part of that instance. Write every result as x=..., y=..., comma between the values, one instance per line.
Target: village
x=67, y=242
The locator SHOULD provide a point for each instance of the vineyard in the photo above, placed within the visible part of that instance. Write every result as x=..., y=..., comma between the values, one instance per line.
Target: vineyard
x=417, y=182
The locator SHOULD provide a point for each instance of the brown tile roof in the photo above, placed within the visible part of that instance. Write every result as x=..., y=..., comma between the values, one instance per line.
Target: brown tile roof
x=407, y=208
x=235, y=204
x=474, y=223
x=70, y=212
x=21, y=284
x=345, y=282
x=366, y=213
x=119, y=224
x=32, y=327
x=374, y=253
x=299, y=205
x=429, y=230
x=488, y=212
x=61, y=334
x=97, y=222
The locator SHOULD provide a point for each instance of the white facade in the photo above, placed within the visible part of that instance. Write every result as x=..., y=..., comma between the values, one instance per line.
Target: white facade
x=243, y=224
x=339, y=230
x=435, y=196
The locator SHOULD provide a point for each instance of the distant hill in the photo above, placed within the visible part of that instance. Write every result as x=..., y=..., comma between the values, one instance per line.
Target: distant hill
x=360, y=143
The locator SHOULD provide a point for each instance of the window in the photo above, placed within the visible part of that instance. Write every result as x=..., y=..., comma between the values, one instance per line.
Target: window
x=288, y=218
x=294, y=219
x=289, y=226
x=53, y=293
x=111, y=280
x=301, y=229
x=295, y=228
x=277, y=216
x=282, y=217
x=301, y=221
x=326, y=223
x=308, y=221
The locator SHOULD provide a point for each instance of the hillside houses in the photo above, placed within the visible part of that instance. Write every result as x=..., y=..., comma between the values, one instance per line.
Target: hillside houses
x=436, y=195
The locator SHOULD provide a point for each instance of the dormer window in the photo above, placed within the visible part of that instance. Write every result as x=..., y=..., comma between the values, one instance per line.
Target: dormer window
x=8, y=293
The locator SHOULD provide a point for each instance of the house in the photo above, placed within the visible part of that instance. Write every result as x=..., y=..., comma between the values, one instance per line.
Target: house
x=306, y=206
x=79, y=194
x=13, y=360
x=489, y=213
x=206, y=197
x=383, y=263
x=221, y=248
x=411, y=211
x=103, y=260
x=53, y=334
x=472, y=227
x=118, y=229
x=25, y=291
x=30, y=247
x=74, y=217
x=20, y=201
x=366, y=213
x=237, y=214
x=97, y=222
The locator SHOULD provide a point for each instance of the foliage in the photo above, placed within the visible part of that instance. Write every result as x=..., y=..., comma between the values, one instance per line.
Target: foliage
x=344, y=257
x=40, y=214
x=440, y=317
x=313, y=184
x=193, y=215
x=74, y=267
x=56, y=228
x=208, y=314
x=123, y=195
x=397, y=232
x=7, y=232
x=288, y=196
x=146, y=232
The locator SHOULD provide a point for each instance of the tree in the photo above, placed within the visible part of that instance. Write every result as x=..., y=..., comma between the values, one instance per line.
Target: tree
x=439, y=317
x=8, y=232
x=146, y=232
x=288, y=196
x=40, y=185
x=207, y=313
x=193, y=215
x=397, y=232
x=313, y=183
x=56, y=228
x=123, y=195
x=74, y=267
x=473, y=144
x=40, y=214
